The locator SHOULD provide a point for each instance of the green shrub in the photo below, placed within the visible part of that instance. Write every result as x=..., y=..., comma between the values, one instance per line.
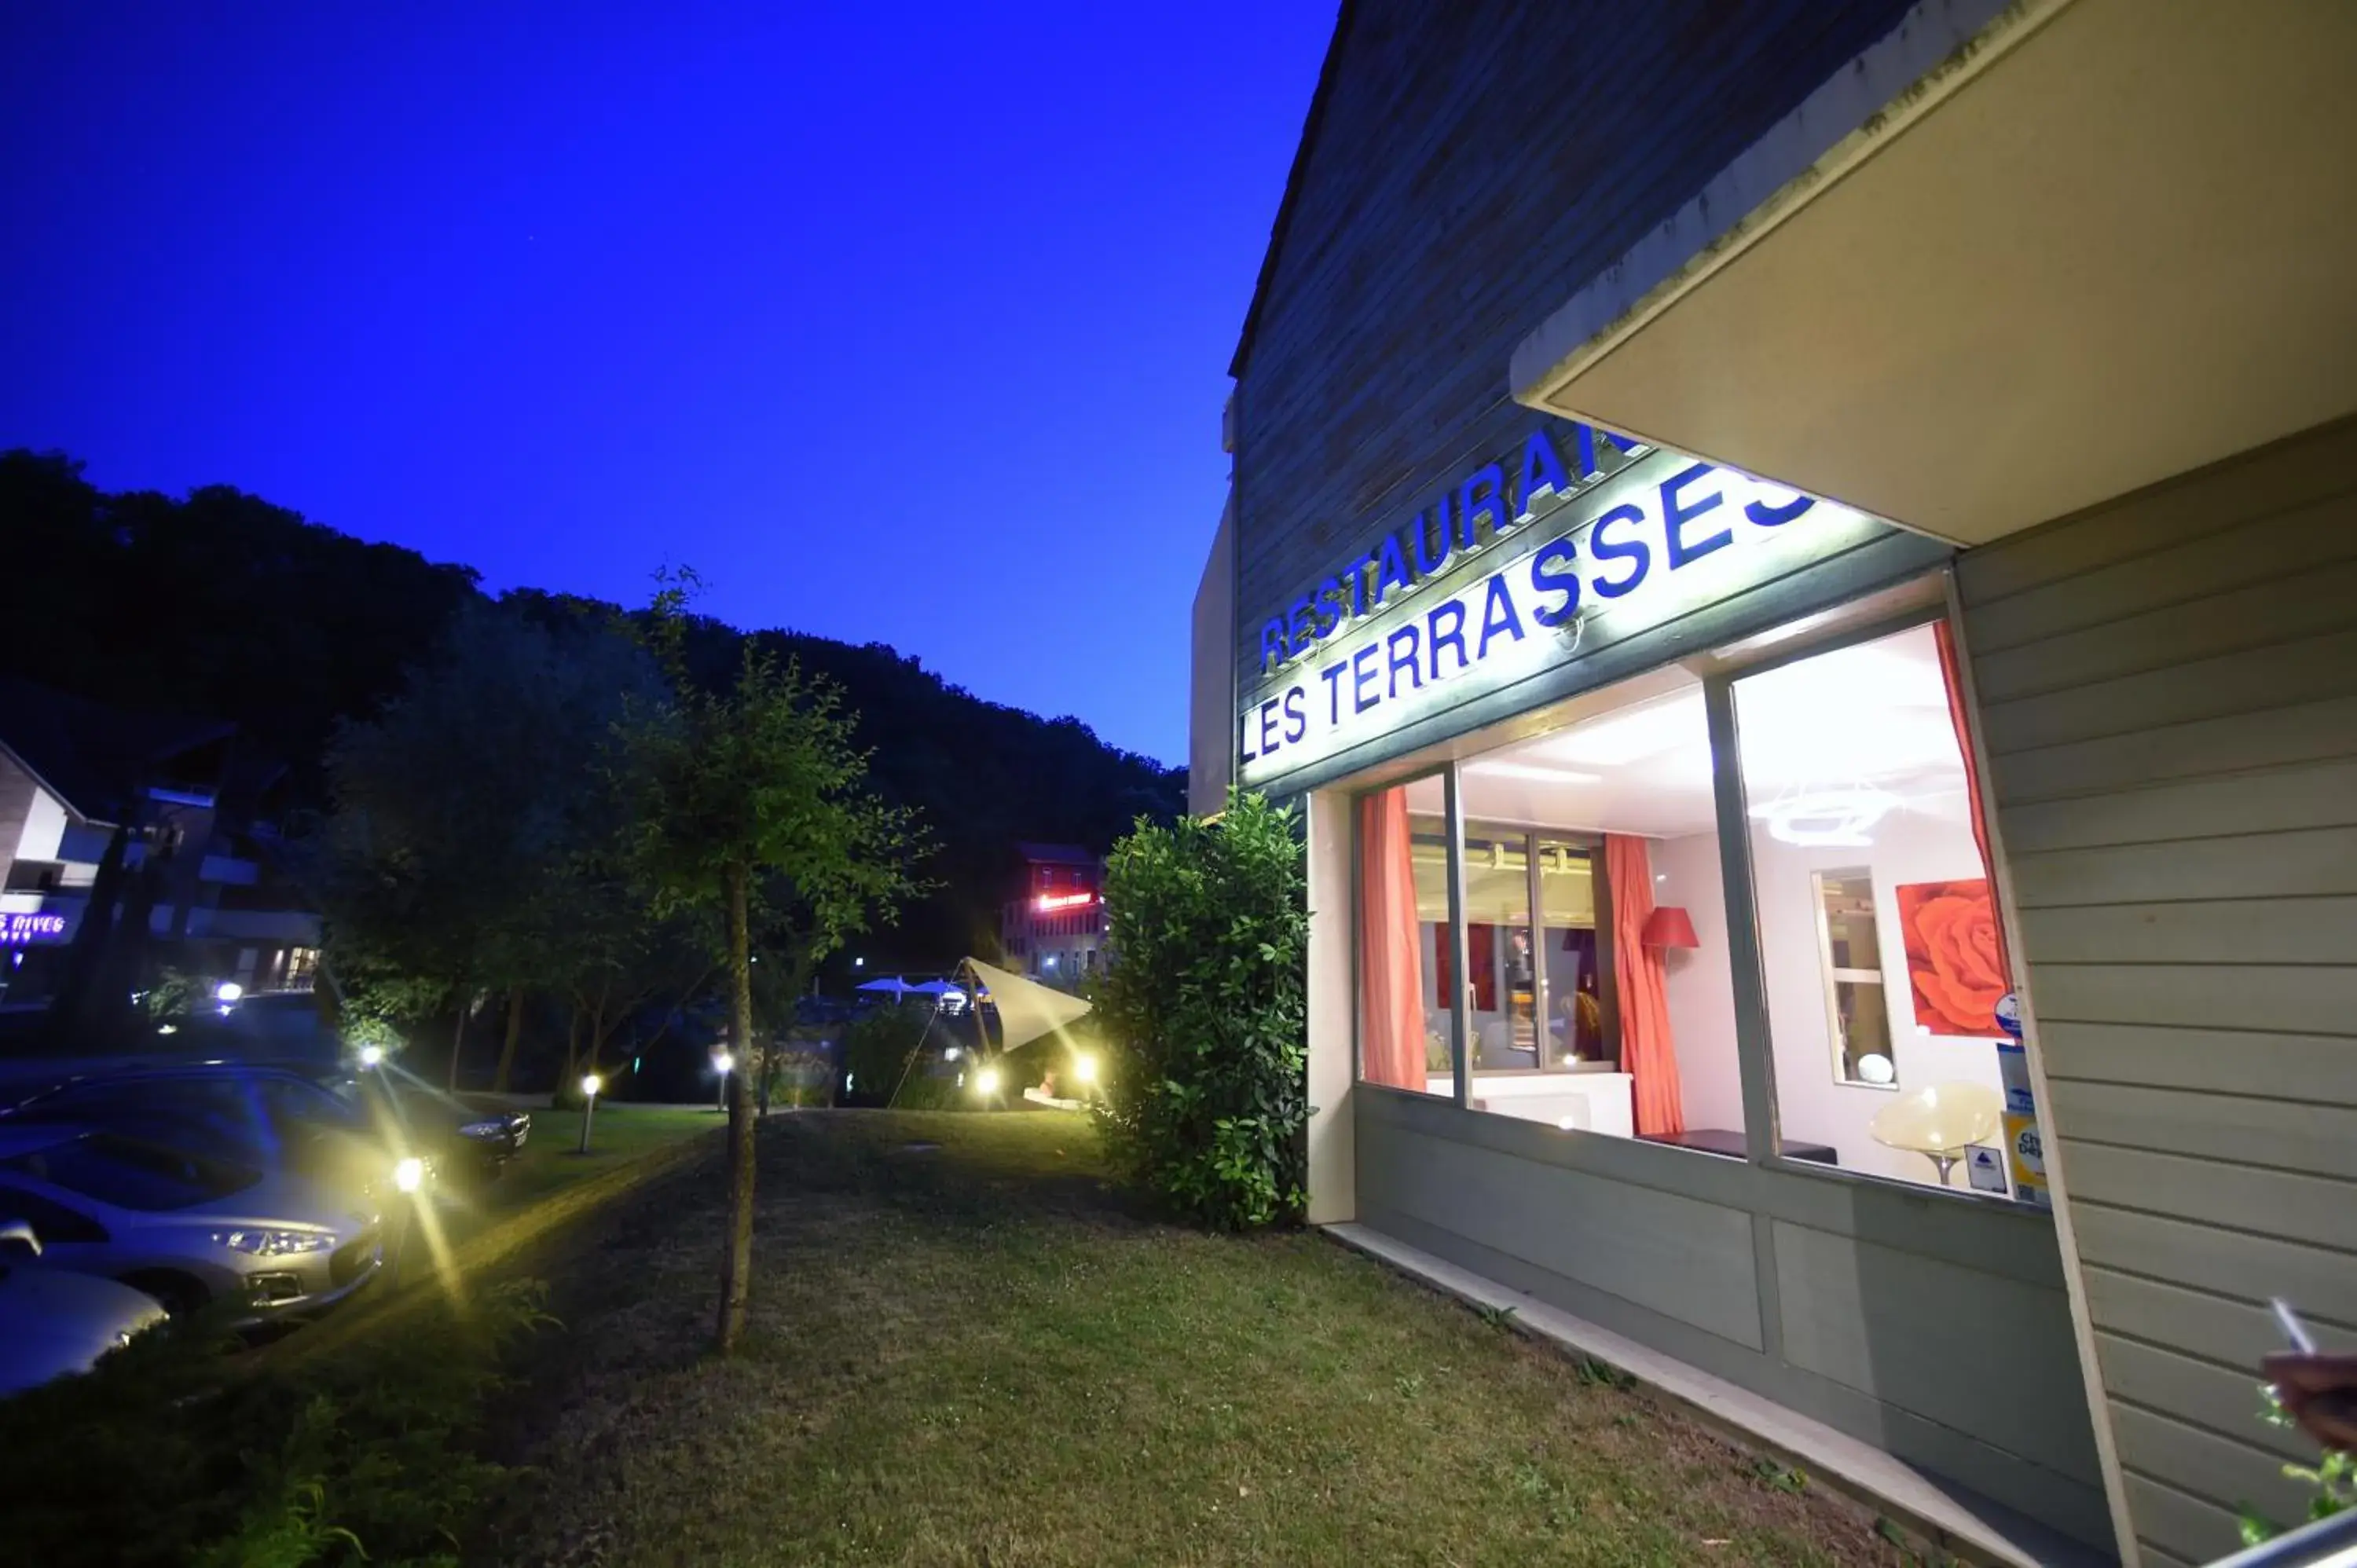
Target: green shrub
x=876, y=1051
x=1205, y=1098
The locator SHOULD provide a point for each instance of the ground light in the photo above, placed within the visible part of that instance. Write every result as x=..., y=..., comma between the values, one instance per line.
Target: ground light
x=228, y=991
x=590, y=1084
x=985, y=1082
x=372, y=1055
x=409, y=1173
x=723, y=1064
x=1084, y=1068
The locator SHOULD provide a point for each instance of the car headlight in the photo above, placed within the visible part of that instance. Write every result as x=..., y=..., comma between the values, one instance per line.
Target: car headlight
x=261, y=1241
x=490, y=1129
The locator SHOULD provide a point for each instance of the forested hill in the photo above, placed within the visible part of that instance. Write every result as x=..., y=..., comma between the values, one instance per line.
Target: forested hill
x=224, y=606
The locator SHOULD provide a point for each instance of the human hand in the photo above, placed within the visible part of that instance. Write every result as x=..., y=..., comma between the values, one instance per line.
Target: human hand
x=2318, y=1390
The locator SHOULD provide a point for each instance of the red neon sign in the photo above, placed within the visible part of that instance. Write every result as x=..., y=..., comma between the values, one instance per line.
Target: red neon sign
x=1065, y=900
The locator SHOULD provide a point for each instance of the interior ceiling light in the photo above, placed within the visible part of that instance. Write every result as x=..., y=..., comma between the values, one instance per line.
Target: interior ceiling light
x=1632, y=733
x=1534, y=772
x=1827, y=818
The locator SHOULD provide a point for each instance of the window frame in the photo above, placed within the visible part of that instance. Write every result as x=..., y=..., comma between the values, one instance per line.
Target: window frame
x=1754, y=1043
x=1835, y=977
x=1923, y=601
x=1608, y=987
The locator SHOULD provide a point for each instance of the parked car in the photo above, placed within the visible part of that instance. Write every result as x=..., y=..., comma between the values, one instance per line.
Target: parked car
x=279, y=1119
x=185, y=1226
x=54, y=1323
x=459, y=1142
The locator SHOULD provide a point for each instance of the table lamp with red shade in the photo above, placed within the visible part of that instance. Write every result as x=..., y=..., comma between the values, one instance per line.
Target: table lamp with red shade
x=1670, y=927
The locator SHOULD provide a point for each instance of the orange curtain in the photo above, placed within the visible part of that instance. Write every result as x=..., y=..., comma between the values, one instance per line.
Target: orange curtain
x=1648, y=1054
x=1391, y=966
x=1952, y=674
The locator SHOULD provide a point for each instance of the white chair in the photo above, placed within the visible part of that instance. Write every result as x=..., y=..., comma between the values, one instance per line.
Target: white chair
x=1939, y=1121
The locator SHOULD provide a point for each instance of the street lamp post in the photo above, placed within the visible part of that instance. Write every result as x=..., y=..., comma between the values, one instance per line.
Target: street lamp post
x=590, y=1084
x=723, y=1063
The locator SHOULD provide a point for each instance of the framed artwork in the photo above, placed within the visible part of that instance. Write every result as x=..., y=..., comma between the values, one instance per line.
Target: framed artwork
x=1951, y=957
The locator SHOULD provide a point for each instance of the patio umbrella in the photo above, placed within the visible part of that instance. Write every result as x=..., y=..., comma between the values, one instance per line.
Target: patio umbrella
x=936, y=987
x=891, y=984
x=1027, y=1009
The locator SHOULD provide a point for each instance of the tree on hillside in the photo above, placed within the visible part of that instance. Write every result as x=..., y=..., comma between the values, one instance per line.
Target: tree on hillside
x=468, y=816
x=753, y=803
x=218, y=604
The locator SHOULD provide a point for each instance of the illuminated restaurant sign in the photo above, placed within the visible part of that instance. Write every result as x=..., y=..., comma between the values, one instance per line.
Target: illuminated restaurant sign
x=1625, y=550
x=22, y=930
x=1050, y=902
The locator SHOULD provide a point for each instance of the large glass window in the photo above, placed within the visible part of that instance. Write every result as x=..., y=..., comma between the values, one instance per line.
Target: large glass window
x=1877, y=935
x=1599, y=997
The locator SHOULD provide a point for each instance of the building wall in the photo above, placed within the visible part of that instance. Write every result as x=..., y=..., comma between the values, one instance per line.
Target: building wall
x=2168, y=686
x=1211, y=695
x=1935, y=1327
x=1469, y=167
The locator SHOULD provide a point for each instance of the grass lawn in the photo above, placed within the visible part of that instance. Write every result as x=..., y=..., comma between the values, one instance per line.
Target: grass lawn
x=620, y=1132
x=972, y=1353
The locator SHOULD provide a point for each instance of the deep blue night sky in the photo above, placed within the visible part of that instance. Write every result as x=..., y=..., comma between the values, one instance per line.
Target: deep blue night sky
x=904, y=323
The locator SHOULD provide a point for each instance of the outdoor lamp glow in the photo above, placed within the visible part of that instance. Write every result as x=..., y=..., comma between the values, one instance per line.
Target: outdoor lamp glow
x=590, y=1084
x=722, y=1062
x=372, y=1055
x=1084, y=1068
x=228, y=991
x=985, y=1082
x=409, y=1173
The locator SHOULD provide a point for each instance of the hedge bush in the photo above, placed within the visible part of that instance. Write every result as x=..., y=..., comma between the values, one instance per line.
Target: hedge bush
x=1205, y=1100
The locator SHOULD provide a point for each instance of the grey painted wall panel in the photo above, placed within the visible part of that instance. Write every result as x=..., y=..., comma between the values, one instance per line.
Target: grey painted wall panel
x=1681, y=1258
x=1862, y=1314
x=2223, y=1260
x=2232, y=931
x=2298, y=795
x=2190, y=582
x=2306, y=671
x=2065, y=1495
x=2303, y=863
x=2298, y=1135
x=2321, y=1067
x=2171, y=741
x=2270, y=734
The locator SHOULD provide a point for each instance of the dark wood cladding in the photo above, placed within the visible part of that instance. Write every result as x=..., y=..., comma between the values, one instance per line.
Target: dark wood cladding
x=1470, y=164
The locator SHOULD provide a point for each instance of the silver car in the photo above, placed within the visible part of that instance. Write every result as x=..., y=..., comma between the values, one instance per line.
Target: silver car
x=189, y=1228
x=53, y=1322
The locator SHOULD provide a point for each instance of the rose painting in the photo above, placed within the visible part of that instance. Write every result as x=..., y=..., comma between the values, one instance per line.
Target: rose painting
x=1951, y=956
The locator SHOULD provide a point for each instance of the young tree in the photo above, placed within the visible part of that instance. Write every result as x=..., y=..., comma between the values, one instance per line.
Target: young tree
x=463, y=808
x=754, y=804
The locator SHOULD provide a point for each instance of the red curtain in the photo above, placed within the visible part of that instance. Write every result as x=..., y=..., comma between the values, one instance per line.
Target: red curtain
x=1480, y=955
x=1648, y=1053
x=1952, y=674
x=1390, y=965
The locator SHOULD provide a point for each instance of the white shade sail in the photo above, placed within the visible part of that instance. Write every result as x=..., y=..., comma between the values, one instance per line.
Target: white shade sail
x=1027, y=1009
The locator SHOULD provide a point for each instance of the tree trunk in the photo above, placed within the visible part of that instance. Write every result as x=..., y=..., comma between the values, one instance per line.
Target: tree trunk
x=736, y=1258
x=508, y=1047
x=572, y=1053
x=457, y=1041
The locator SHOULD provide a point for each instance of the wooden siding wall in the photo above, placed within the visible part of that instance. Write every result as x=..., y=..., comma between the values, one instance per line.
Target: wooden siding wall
x=2169, y=698
x=1474, y=164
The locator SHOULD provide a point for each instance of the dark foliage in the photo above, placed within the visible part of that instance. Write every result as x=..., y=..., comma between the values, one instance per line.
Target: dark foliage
x=222, y=604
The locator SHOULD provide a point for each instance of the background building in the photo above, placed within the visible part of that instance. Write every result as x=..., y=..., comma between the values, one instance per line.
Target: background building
x=1053, y=929
x=157, y=820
